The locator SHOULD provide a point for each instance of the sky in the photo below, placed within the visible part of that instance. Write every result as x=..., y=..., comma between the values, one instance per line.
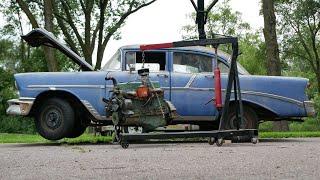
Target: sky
x=162, y=22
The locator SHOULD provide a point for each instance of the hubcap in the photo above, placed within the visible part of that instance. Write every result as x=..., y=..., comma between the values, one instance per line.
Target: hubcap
x=53, y=118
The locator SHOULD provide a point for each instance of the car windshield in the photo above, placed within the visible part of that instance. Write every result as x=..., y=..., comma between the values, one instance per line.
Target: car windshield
x=242, y=70
x=114, y=62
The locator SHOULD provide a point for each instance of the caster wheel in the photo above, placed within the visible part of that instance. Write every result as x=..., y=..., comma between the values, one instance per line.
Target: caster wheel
x=219, y=142
x=254, y=140
x=211, y=140
x=124, y=145
x=114, y=139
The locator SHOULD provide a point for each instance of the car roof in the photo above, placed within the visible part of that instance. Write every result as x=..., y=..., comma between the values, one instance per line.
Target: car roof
x=201, y=49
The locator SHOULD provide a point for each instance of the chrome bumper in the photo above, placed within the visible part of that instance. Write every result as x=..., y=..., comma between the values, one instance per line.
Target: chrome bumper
x=309, y=107
x=19, y=106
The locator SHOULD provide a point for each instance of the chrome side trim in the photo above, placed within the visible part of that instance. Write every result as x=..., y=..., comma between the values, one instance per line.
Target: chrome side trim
x=93, y=111
x=27, y=98
x=190, y=81
x=66, y=86
x=253, y=93
x=165, y=88
x=274, y=96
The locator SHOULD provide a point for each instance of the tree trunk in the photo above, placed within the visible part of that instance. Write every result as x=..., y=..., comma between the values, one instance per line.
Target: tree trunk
x=102, y=4
x=48, y=16
x=48, y=19
x=318, y=81
x=272, y=50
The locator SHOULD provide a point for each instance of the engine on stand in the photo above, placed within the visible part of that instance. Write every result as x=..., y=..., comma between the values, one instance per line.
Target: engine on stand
x=138, y=104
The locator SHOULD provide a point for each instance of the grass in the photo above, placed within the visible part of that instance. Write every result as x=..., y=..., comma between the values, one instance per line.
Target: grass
x=289, y=134
x=21, y=138
x=28, y=138
x=88, y=138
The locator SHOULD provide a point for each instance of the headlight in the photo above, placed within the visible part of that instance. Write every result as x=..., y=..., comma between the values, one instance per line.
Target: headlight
x=16, y=85
x=16, y=89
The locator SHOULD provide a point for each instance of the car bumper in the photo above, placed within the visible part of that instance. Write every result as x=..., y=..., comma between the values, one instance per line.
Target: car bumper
x=19, y=106
x=309, y=107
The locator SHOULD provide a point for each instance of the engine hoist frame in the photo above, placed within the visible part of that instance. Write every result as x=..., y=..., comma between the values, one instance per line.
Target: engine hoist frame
x=215, y=136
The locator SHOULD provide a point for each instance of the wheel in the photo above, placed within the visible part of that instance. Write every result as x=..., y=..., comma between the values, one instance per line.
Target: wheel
x=219, y=142
x=54, y=119
x=254, y=140
x=124, y=145
x=80, y=125
x=250, y=119
x=77, y=131
x=116, y=134
x=211, y=140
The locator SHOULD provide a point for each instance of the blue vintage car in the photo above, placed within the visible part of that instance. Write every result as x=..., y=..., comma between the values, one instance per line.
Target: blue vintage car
x=65, y=103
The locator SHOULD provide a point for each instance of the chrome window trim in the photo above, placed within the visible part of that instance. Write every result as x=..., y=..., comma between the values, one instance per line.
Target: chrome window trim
x=193, y=77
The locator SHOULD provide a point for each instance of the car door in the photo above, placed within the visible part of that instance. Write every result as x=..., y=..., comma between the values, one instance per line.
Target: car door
x=192, y=85
x=156, y=61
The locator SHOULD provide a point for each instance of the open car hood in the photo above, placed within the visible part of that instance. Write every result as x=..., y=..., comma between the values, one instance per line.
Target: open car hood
x=39, y=36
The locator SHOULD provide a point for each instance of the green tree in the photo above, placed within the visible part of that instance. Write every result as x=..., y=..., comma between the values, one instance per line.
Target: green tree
x=48, y=24
x=272, y=50
x=299, y=26
x=28, y=59
x=223, y=20
x=253, y=57
x=88, y=24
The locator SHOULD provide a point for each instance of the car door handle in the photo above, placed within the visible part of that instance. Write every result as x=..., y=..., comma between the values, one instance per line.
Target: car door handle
x=162, y=75
x=209, y=76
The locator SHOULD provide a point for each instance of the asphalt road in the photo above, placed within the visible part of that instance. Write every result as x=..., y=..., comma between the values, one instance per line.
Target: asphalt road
x=270, y=159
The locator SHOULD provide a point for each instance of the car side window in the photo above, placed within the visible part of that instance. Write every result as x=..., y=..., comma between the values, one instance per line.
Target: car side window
x=191, y=63
x=155, y=61
x=223, y=67
x=195, y=63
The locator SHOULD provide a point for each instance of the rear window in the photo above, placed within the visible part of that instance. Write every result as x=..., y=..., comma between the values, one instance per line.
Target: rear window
x=191, y=63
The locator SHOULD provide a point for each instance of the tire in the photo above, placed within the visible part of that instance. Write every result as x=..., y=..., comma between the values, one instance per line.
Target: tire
x=77, y=130
x=250, y=122
x=250, y=119
x=54, y=119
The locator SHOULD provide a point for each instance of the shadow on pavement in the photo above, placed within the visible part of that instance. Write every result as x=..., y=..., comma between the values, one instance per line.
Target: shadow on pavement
x=169, y=142
x=52, y=144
